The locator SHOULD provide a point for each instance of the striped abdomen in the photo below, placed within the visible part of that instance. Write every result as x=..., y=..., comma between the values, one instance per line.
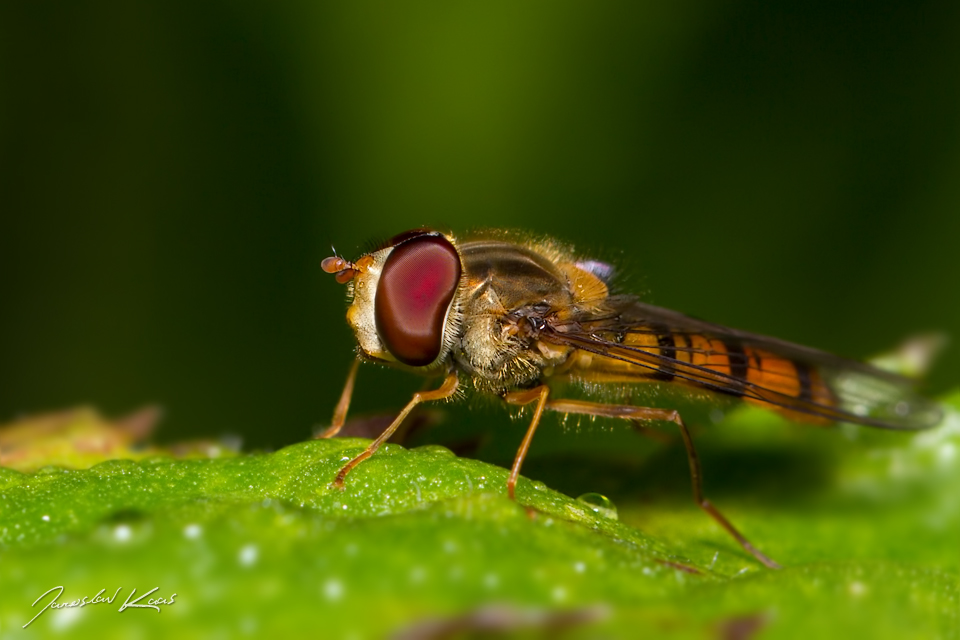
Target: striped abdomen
x=724, y=366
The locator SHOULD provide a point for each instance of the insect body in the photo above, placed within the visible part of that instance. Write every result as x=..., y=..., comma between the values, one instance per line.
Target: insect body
x=514, y=317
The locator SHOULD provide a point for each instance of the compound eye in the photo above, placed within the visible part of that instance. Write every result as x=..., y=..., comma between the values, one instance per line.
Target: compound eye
x=400, y=238
x=416, y=287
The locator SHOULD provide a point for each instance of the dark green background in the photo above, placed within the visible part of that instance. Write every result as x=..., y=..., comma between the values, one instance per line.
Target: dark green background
x=172, y=174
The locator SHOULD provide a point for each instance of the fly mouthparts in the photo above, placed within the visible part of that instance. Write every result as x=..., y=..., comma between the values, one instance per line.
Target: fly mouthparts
x=344, y=270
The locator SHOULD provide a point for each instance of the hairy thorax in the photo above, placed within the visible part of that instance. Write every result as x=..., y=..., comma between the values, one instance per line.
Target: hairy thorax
x=510, y=292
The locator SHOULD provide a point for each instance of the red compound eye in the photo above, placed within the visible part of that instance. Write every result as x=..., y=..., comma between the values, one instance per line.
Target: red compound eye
x=416, y=287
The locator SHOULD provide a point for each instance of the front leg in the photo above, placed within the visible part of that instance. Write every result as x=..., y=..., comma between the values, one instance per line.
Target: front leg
x=447, y=389
x=340, y=413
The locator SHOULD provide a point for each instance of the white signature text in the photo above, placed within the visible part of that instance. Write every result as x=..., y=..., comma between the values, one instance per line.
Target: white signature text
x=131, y=602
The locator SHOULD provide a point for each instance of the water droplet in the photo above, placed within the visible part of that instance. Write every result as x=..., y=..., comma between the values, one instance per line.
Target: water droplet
x=48, y=470
x=333, y=589
x=599, y=504
x=946, y=453
x=248, y=555
x=435, y=449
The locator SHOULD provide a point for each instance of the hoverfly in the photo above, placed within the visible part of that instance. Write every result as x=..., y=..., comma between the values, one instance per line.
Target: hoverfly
x=513, y=317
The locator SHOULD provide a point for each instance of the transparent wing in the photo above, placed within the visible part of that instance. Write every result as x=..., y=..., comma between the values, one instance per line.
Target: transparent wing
x=667, y=345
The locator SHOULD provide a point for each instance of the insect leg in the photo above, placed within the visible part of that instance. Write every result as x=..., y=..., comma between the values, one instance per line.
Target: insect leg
x=628, y=412
x=340, y=413
x=447, y=389
x=538, y=394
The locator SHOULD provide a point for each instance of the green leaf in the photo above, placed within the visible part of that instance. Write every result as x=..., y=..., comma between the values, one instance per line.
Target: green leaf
x=420, y=540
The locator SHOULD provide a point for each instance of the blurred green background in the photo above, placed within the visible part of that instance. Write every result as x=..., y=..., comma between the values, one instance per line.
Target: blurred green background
x=172, y=174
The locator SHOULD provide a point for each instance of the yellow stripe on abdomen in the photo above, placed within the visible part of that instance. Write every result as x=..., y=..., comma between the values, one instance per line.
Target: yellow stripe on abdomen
x=773, y=377
x=758, y=376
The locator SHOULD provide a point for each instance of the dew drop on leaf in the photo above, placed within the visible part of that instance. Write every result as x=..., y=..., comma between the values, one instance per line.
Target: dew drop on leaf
x=599, y=504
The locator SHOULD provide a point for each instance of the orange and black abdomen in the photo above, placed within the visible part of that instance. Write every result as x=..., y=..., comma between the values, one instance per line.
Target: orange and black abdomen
x=721, y=365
